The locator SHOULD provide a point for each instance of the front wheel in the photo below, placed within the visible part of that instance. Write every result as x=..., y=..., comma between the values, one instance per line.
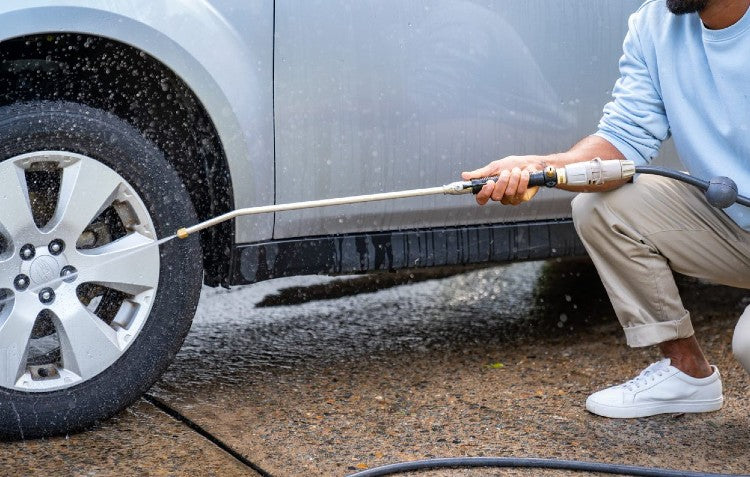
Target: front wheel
x=92, y=306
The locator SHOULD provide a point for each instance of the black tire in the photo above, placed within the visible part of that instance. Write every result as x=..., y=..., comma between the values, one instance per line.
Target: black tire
x=66, y=126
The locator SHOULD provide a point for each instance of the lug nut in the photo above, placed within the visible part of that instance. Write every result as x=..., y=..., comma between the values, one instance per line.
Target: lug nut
x=56, y=247
x=47, y=296
x=28, y=251
x=68, y=273
x=21, y=282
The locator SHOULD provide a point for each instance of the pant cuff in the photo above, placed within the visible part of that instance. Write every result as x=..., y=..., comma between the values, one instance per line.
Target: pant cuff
x=655, y=333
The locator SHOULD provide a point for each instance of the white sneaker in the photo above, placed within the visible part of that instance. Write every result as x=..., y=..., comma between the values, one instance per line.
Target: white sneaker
x=660, y=388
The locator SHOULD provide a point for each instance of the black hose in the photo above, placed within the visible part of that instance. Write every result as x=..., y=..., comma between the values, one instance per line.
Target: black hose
x=672, y=174
x=529, y=463
x=681, y=176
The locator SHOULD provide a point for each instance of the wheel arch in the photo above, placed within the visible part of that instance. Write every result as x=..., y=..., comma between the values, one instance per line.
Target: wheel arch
x=215, y=135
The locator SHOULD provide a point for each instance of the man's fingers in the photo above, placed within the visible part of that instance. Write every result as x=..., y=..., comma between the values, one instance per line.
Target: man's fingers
x=523, y=192
x=502, y=183
x=527, y=193
x=513, y=180
x=523, y=184
x=521, y=197
x=484, y=195
x=512, y=186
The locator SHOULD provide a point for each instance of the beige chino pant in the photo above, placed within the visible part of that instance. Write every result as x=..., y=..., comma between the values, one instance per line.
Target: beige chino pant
x=639, y=234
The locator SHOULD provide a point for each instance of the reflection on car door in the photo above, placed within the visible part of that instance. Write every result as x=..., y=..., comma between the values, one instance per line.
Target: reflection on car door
x=377, y=95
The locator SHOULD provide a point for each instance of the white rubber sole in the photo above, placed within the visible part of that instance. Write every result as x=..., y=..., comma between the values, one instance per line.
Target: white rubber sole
x=645, y=410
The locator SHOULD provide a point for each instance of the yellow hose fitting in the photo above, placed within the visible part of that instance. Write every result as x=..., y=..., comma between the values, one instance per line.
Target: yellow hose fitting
x=182, y=233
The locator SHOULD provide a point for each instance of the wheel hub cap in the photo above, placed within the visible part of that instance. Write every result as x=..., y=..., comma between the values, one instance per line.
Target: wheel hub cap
x=45, y=269
x=70, y=309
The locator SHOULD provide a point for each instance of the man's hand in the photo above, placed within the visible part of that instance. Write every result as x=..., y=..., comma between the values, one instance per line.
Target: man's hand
x=512, y=187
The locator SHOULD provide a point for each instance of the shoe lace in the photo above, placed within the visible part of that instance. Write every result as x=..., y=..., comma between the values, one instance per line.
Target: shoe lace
x=648, y=375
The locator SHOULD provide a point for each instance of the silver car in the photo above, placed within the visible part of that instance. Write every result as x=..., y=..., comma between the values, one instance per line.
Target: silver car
x=122, y=121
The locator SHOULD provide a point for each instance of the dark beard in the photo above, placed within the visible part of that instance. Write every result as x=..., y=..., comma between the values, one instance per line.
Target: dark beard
x=680, y=7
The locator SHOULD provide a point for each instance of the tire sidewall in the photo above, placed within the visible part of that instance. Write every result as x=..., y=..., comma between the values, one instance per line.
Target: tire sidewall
x=99, y=135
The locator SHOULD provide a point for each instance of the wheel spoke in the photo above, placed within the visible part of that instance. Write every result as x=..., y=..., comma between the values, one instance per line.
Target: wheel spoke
x=86, y=342
x=86, y=189
x=15, y=208
x=8, y=270
x=130, y=264
x=15, y=332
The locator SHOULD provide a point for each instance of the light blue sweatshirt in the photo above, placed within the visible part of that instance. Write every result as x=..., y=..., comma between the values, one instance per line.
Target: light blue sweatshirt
x=680, y=78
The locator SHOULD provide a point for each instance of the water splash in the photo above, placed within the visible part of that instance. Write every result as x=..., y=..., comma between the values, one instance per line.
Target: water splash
x=166, y=239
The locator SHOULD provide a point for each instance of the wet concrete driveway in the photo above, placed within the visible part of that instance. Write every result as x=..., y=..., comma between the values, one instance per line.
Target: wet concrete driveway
x=489, y=362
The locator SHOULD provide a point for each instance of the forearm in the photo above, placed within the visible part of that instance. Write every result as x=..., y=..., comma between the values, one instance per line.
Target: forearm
x=585, y=150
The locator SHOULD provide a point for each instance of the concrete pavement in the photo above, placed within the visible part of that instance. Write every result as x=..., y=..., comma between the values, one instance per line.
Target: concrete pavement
x=496, y=361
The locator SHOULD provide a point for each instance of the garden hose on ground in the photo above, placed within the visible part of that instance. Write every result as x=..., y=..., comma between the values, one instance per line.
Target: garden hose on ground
x=720, y=192
x=529, y=463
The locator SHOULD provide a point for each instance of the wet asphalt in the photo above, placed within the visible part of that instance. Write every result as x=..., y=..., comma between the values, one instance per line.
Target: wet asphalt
x=327, y=376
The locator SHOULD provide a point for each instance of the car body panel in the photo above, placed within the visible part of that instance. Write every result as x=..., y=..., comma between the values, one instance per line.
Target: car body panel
x=328, y=98
x=235, y=86
x=379, y=95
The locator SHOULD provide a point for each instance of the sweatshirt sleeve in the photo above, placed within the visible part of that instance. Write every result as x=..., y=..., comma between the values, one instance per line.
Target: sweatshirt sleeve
x=634, y=121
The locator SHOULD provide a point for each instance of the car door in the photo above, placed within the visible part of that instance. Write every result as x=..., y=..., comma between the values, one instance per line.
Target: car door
x=379, y=95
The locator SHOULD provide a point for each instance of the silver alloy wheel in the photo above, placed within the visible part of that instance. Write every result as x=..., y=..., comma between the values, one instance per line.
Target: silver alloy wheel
x=79, y=267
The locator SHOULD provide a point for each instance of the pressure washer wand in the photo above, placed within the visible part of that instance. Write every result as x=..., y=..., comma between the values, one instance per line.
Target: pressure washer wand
x=583, y=173
x=721, y=191
x=454, y=188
